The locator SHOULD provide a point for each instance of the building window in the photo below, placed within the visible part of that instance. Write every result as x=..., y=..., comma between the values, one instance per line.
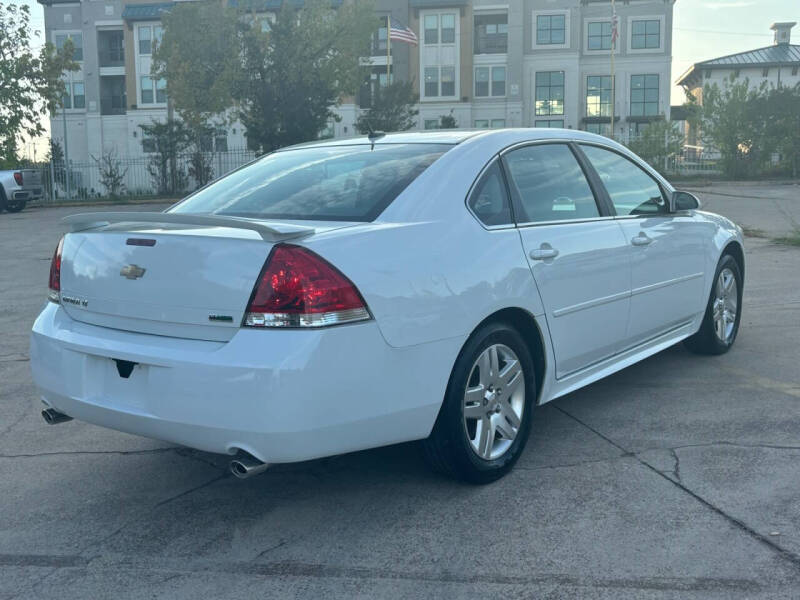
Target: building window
x=599, y=128
x=431, y=81
x=431, y=124
x=431, y=29
x=448, y=29
x=490, y=81
x=707, y=73
x=379, y=39
x=550, y=93
x=147, y=35
x=448, y=81
x=375, y=79
x=491, y=34
x=161, y=91
x=644, y=95
x=66, y=99
x=765, y=72
x=148, y=145
x=599, y=35
x=221, y=139
x=78, y=95
x=598, y=96
x=147, y=90
x=498, y=123
x=481, y=123
x=794, y=70
x=77, y=44
x=550, y=29
x=558, y=123
x=646, y=35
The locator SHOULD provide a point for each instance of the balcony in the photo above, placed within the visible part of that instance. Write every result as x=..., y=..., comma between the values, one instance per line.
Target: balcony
x=111, y=48
x=113, y=100
x=491, y=34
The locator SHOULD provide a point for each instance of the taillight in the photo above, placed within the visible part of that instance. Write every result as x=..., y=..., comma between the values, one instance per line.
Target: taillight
x=298, y=288
x=18, y=178
x=55, y=274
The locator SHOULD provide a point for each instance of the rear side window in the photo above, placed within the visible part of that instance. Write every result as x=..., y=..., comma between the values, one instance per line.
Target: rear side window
x=338, y=183
x=489, y=200
x=549, y=184
x=632, y=191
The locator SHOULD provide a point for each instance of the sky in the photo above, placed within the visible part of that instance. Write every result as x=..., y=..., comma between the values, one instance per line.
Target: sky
x=703, y=29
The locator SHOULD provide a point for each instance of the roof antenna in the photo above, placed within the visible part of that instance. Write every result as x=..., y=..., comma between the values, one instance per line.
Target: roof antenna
x=373, y=136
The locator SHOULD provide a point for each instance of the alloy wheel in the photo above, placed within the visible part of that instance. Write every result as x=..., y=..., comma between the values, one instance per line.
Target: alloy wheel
x=726, y=304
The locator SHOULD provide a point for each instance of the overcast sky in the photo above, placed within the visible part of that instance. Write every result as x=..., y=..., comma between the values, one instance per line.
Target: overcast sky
x=703, y=29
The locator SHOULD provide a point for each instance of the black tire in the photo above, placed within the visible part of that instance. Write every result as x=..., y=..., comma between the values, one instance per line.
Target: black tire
x=448, y=449
x=706, y=340
x=2, y=198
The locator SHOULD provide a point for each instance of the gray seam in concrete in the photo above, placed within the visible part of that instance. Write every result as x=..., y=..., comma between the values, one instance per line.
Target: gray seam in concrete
x=787, y=554
x=574, y=464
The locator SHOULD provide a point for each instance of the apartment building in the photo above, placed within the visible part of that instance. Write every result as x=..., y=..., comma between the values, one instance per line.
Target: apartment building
x=488, y=63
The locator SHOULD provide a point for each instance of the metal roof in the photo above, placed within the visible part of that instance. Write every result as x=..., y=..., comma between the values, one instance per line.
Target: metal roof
x=271, y=5
x=771, y=56
x=435, y=3
x=146, y=12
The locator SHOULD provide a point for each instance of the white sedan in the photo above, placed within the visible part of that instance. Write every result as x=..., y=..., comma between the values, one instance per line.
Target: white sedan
x=344, y=295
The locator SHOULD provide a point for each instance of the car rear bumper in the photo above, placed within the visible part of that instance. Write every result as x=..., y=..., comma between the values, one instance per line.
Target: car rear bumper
x=281, y=395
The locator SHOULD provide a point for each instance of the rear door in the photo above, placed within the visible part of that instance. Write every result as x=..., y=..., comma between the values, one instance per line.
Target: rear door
x=666, y=250
x=576, y=251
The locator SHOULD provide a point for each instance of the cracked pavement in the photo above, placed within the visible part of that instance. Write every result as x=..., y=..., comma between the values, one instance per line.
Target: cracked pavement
x=675, y=478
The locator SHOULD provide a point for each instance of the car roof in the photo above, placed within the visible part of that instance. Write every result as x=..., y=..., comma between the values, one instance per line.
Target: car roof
x=456, y=136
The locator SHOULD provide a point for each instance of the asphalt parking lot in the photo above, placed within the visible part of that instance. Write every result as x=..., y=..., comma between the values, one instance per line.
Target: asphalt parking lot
x=678, y=477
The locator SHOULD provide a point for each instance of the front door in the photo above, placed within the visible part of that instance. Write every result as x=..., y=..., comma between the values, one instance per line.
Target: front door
x=666, y=249
x=577, y=253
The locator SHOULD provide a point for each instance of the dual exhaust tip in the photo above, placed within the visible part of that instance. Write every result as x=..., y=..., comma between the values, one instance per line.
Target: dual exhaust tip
x=243, y=466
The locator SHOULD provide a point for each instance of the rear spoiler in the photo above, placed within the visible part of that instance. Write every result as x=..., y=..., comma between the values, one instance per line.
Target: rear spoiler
x=271, y=232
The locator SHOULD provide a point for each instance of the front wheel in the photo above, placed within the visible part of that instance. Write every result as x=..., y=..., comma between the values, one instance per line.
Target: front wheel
x=485, y=418
x=723, y=311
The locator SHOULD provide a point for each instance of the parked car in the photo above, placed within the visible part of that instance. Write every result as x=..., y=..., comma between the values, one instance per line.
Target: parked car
x=18, y=187
x=349, y=294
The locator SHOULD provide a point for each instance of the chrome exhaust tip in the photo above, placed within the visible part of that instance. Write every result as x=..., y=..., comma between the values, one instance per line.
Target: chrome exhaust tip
x=53, y=417
x=245, y=466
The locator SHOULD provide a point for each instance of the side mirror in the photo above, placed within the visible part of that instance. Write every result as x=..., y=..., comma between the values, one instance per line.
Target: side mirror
x=684, y=201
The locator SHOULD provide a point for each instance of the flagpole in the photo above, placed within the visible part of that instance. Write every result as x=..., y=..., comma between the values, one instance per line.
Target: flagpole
x=613, y=77
x=388, y=47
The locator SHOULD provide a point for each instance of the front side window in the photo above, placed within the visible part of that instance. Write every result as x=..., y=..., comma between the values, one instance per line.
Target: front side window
x=646, y=35
x=550, y=29
x=598, y=96
x=338, y=183
x=632, y=190
x=489, y=200
x=644, y=95
x=77, y=44
x=550, y=93
x=549, y=184
x=599, y=36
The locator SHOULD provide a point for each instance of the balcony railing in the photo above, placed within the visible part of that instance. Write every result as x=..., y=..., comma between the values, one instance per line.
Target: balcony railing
x=113, y=104
x=491, y=44
x=112, y=57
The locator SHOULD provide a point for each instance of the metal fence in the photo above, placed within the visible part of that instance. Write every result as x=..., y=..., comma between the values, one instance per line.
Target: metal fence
x=148, y=176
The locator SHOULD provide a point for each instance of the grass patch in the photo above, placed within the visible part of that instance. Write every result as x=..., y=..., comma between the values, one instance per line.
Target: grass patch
x=793, y=239
x=753, y=232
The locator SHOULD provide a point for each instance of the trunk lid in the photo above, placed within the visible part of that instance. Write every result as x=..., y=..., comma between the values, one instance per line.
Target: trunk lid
x=173, y=280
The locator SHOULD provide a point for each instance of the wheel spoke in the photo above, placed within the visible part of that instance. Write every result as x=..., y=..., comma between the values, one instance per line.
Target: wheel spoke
x=720, y=290
x=486, y=438
x=509, y=373
x=509, y=414
x=719, y=326
x=728, y=283
x=494, y=363
x=505, y=430
x=485, y=369
x=475, y=395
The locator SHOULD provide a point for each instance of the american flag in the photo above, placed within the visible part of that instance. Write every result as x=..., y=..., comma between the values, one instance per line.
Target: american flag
x=614, y=29
x=400, y=33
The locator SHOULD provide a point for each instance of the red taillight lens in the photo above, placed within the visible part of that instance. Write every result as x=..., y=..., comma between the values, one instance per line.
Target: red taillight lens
x=55, y=274
x=18, y=178
x=298, y=288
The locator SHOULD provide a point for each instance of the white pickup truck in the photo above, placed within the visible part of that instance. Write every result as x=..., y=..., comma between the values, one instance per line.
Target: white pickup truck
x=19, y=187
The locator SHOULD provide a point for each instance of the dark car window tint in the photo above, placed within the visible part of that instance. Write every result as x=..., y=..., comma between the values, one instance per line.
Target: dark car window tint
x=550, y=184
x=346, y=183
x=632, y=191
x=489, y=200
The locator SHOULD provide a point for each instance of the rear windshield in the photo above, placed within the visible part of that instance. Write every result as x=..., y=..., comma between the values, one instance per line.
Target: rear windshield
x=338, y=183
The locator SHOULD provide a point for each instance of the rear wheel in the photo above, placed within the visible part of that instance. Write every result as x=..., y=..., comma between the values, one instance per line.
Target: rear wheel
x=723, y=311
x=2, y=198
x=485, y=419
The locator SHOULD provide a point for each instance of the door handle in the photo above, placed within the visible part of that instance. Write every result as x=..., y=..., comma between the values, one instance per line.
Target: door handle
x=641, y=240
x=544, y=252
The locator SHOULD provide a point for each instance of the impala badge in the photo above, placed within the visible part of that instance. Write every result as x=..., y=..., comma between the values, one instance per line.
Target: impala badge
x=132, y=271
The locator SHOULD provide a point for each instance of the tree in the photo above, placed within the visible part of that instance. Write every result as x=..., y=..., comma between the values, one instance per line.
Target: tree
x=280, y=77
x=659, y=141
x=782, y=112
x=392, y=109
x=167, y=140
x=448, y=121
x=112, y=176
x=731, y=120
x=30, y=83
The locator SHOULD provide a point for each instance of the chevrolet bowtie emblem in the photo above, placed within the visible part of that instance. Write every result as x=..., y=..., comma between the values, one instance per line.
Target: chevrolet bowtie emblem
x=132, y=271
